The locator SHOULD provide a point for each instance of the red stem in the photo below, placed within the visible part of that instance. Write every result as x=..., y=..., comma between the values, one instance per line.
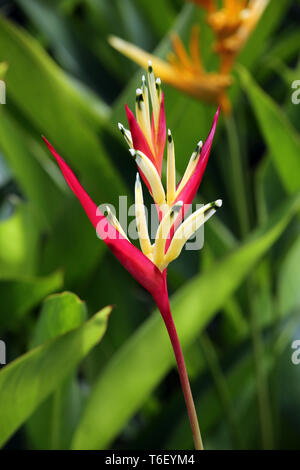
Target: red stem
x=164, y=307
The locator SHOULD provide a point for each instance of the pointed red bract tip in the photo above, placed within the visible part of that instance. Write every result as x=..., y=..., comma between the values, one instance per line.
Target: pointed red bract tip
x=87, y=203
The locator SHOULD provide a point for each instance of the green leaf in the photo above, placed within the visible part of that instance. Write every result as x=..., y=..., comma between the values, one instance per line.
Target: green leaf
x=259, y=40
x=60, y=314
x=56, y=109
x=139, y=366
x=20, y=295
x=42, y=183
x=70, y=45
x=269, y=190
x=19, y=235
x=154, y=14
x=26, y=382
x=53, y=423
x=283, y=51
x=288, y=281
x=35, y=173
x=73, y=245
x=282, y=139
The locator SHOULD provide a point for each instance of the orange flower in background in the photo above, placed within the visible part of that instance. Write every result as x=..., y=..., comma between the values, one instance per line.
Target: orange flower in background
x=232, y=25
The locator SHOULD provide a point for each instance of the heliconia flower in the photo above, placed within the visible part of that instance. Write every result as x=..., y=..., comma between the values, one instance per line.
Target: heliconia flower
x=232, y=25
x=146, y=139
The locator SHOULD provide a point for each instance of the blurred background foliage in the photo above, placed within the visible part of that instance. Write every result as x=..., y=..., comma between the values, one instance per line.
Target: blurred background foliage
x=236, y=303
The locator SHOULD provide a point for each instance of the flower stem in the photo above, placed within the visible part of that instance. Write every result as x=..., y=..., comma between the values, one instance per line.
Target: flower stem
x=237, y=176
x=263, y=398
x=222, y=388
x=164, y=307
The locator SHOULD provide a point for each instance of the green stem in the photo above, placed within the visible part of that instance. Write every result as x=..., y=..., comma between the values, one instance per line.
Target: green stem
x=237, y=176
x=56, y=404
x=240, y=197
x=261, y=379
x=221, y=387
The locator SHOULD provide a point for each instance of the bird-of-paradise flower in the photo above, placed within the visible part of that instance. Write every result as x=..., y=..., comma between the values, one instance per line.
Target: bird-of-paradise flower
x=232, y=25
x=146, y=139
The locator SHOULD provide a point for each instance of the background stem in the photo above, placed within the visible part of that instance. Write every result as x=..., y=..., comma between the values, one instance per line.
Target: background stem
x=221, y=387
x=237, y=176
x=242, y=211
x=263, y=397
